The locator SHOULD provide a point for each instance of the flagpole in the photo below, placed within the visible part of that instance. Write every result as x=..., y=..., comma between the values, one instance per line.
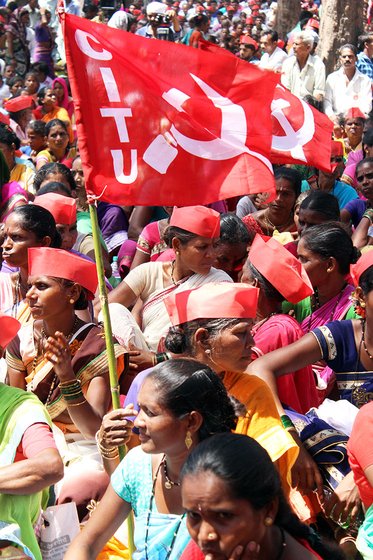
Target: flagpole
x=113, y=377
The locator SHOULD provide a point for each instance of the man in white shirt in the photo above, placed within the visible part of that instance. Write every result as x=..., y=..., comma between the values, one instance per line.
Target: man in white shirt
x=273, y=56
x=347, y=87
x=302, y=73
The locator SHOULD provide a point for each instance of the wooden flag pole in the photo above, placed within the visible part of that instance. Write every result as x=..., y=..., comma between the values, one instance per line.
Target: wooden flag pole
x=113, y=377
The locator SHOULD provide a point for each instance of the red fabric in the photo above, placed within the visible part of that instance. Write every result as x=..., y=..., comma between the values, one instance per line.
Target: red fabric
x=192, y=552
x=195, y=128
x=9, y=326
x=296, y=389
x=62, y=208
x=360, y=454
x=300, y=133
x=197, y=219
x=36, y=439
x=19, y=103
x=356, y=270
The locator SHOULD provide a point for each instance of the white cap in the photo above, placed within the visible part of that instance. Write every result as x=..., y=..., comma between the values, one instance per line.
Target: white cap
x=156, y=8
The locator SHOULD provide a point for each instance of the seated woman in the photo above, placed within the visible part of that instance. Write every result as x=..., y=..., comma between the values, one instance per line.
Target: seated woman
x=29, y=460
x=273, y=329
x=192, y=233
x=36, y=138
x=19, y=172
x=279, y=214
x=181, y=403
x=62, y=95
x=60, y=358
x=150, y=243
x=236, y=509
x=57, y=135
x=219, y=335
x=48, y=110
x=27, y=226
x=361, y=461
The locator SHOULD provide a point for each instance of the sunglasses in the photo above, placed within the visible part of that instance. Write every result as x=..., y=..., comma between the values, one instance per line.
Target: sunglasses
x=360, y=178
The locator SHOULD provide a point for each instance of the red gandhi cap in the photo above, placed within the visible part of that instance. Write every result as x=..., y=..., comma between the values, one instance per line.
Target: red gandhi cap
x=246, y=40
x=8, y=329
x=213, y=301
x=356, y=270
x=63, y=264
x=197, y=219
x=280, y=268
x=354, y=113
x=62, y=208
x=18, y=103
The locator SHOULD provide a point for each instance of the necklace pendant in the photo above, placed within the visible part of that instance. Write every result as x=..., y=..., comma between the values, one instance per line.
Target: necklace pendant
x=168, y=485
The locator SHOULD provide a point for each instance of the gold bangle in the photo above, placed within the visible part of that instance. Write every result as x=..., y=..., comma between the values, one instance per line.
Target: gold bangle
x=68, y=403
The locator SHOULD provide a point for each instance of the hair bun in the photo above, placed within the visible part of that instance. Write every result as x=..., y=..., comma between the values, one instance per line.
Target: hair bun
x=176, y=341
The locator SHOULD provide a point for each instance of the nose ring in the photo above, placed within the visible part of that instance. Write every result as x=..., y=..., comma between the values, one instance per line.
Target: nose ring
x=211, y=536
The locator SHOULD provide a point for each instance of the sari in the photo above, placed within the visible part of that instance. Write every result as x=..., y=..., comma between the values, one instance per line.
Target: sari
x=364, y=541
x=8, y=303
x=21, y=52
x=18, y=412
x=150, y=242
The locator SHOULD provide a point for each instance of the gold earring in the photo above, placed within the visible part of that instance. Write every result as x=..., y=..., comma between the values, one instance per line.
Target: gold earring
x=72, y=301
x=268, y=521
x=188, y=440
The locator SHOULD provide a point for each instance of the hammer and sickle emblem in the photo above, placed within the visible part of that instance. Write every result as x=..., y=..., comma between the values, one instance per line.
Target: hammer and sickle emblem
x=231, y=143
x=293, y=141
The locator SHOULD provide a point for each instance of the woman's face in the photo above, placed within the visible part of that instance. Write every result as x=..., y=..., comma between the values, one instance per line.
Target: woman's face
x=308, y=218
x=77, y=171
x=57, y=138
x=231, y=348
x=314, y=265
x=198, y=255
x=15, y=89
x=69, y=234
x=16, y=242
x=47, y=297
x=159, y=430
x=354, y=129
x=364, y=176
x=31, y=84
x=230, y=257
x=217, y=521
x=36, y=142
x=50, y=99
x=58, y=91
x=8, y=153
x=285, y=198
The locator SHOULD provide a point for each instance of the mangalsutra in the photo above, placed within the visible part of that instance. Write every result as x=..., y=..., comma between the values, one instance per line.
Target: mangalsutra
x=273, y=226
x=18, y=293
x=169, y=484
x=172, y=272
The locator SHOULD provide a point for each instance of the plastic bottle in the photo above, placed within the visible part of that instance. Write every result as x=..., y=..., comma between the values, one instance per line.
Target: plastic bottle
x=115, y=276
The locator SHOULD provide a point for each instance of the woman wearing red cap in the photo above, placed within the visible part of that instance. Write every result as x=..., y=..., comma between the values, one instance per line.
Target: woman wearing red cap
x=29, y=460
x=191, y=234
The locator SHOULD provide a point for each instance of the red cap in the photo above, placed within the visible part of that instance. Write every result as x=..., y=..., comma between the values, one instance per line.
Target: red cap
x=8, y=329
x=63, y=264
x=18, y=103
x=246, y=40
x=314, y=23
x=280, y=268
x=337, y=149
x=356, y=270
x=354, y=113
x=62, y=208
x=236, y=301
x=197, y=219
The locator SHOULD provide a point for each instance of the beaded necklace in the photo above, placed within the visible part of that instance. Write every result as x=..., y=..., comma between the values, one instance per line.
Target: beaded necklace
x=150, y=511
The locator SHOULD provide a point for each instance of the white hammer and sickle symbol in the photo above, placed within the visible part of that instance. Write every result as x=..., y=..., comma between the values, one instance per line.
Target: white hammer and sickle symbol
x=231, y=143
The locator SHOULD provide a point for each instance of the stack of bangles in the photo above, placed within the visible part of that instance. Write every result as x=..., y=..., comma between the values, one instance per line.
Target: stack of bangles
x=106, y=452
x=70, y=391
x=160, y=357
x=287, y=424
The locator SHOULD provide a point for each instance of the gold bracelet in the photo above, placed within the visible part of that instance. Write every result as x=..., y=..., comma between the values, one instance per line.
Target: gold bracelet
x=68, y=403
x=101, y=447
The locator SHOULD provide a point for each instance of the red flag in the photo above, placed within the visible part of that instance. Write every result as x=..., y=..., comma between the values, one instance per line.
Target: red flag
x=160, y=123
x=301, y=134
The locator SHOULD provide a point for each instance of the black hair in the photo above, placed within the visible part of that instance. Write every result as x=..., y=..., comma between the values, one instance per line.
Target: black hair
x=15, y=79
x=366, y=280
x=55, y=122
x=233, y=230
x=362, y=39
x=264, y=285
x=82, y=301
x=323, y=203
x=37, y=126
x=54, y=187
x=291, y=175
x=40, y=222
x=247, y=470
x=368, y=137
x=41, y=67
x=42, y=92
x=4, y=171
x=8, y=137
x=331, y=240
x=182, y=235
x=50, y=168
x=348, y=46
x=272, y=33
x=179, y=339
x=32, y=73
x=184, y=385
x=362, y=161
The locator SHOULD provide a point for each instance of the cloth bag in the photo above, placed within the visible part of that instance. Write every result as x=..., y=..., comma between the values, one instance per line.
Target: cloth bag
x=60, y=525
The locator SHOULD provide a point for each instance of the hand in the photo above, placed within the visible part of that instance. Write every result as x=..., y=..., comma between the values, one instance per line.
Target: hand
x=249, y=552
x=57, y=351
x=305, y=473
x=344, y=502
x=116, y=429
x=140, y=359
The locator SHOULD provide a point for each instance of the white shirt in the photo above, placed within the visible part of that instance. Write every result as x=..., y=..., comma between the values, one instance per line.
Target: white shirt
x=273, y=61
x=308, y=81
x=341, y=94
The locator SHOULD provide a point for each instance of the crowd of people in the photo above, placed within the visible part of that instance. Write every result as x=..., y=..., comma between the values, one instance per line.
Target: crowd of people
x=242, y=330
